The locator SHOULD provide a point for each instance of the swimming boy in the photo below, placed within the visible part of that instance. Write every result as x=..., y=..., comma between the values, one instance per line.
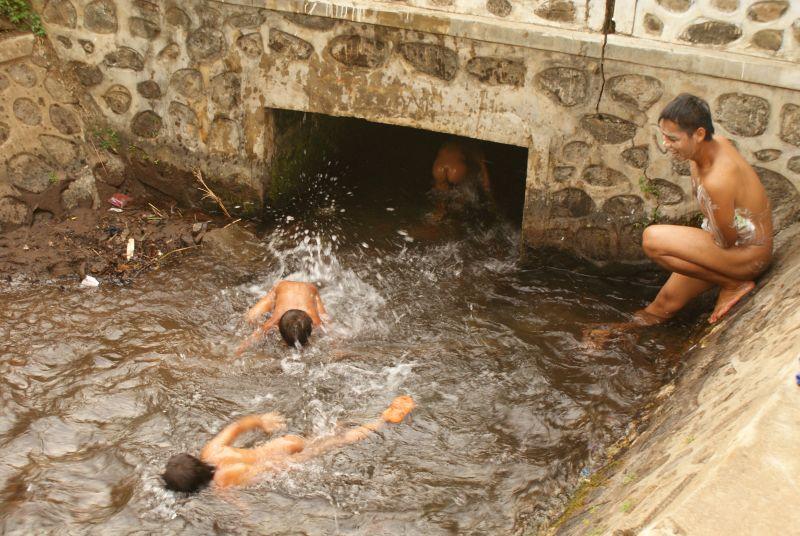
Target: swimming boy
x=734, y=245
x=230, y=466
x=460, y=177
x=296, y=307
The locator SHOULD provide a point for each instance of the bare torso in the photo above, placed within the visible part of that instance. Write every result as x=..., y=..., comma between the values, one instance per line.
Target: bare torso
x=284, y=296
x=239, y=466
x=460, y=178
x=749, y=227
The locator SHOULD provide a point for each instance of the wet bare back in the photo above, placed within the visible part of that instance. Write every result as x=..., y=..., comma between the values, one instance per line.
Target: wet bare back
x=285, y=296
x=296, y=295
x=456, y=162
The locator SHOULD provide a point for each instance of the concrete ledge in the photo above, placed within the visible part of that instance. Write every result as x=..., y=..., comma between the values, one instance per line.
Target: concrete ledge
x=453, y=24
x=777, y=73
x=15, y=47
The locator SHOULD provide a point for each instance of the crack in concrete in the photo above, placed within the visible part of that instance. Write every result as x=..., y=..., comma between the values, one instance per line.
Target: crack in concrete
x=608, y=27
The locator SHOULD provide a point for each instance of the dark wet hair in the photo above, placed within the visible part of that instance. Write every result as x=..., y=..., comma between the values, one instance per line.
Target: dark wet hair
x=295, y=326
x=187, y=473
x=689, y=113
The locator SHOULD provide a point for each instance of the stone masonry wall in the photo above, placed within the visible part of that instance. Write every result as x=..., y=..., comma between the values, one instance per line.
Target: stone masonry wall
x=192, y=83
x=45, y=162
x=769, y=28
x=608, y=178
x=169, y=80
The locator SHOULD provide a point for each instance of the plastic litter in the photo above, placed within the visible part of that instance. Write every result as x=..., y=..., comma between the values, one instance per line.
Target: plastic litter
x=119, y=200
x=797, y=378
x=115, y=209
x=129, y=250
x=90, y=282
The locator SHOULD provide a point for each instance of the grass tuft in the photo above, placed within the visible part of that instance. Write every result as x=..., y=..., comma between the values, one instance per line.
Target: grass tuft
x=22, y=15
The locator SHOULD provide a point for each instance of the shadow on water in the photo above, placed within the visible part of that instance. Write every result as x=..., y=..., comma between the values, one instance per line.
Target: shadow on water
x=100, y=387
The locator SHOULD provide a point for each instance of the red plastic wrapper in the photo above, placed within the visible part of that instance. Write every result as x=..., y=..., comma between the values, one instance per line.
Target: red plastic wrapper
x=120, y=200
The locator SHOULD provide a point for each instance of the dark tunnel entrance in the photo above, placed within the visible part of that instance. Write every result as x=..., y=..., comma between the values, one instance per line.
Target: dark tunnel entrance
x=361, y=164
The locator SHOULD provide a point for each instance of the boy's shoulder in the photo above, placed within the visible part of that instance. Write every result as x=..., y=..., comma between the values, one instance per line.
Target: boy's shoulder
x=295, y=285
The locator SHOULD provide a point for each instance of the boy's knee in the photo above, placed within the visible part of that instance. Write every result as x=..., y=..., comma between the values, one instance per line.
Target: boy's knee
x=652, y=240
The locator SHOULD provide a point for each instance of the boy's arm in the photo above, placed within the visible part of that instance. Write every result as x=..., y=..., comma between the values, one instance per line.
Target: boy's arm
x=440, y=185
x=483, y=170
x=321, y=446
x=263, y=306
x=256, y=335
x=323, y=314
x=721, y=211
x=229, y=434
x=484, y=175
x=269, y=422
x=399, y=408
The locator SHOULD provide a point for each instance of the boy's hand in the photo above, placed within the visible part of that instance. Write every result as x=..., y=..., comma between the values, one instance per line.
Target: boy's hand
x=272, y=422
x=252, y=316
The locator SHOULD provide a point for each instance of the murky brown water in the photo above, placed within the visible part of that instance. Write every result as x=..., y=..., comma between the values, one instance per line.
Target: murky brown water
x=100, y=387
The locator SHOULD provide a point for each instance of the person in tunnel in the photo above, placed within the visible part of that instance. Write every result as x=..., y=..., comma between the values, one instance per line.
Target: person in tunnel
x=460, y=179
x=734, y=245
x=229, y=466
x=296, y=307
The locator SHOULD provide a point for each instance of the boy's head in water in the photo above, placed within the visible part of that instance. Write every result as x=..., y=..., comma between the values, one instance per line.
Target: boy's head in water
x=186, y=473
x=295, y=326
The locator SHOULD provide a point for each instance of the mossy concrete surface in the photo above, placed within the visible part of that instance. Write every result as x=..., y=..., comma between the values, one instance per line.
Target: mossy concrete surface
x=304, y=145
x=721, y=455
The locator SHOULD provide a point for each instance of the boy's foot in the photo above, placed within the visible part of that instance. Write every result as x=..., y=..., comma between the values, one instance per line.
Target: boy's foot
x=728, y=298
x=398, y=409
x=597, y=338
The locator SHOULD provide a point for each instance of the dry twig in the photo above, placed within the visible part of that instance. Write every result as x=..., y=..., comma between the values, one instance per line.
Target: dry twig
x=209, y=193
x=156, y=211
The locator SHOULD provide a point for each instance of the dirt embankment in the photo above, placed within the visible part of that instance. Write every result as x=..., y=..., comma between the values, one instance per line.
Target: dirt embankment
x=109, y=242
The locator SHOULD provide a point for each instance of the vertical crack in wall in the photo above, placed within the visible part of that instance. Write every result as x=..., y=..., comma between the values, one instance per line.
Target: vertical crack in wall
x=608, y=27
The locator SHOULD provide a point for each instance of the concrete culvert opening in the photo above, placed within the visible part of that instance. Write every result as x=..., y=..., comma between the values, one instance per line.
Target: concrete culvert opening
x=335, y=163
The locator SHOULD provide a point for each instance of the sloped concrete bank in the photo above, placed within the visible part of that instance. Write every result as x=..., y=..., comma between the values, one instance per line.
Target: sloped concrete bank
x=721, y=452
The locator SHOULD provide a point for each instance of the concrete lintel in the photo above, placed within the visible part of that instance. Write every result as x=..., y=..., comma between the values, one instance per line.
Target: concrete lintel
x=16, y=47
